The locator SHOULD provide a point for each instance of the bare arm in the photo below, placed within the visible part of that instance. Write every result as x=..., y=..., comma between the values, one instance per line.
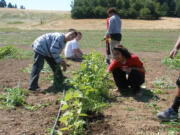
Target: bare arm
x=175, y=49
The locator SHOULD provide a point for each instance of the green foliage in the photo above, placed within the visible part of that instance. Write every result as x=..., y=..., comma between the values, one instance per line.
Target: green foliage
x=87, y=93
x=11, y=51
x=13, y=97
x=143, y=9
x=173, y=63
x=172, y=127
x=125, y=8
x=8, y=51
x=178, y=8
x=145, y=13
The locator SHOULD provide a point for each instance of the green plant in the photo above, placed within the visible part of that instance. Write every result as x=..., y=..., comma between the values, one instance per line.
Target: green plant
x=172, y=127
x=173, y=63
x=8, y=51
x=163, y=83
x=13, y=97
x=36, y=107
x=157, y=91
x=87, y=95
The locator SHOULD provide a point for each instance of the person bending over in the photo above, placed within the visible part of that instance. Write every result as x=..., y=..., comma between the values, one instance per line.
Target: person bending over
x=48, y=47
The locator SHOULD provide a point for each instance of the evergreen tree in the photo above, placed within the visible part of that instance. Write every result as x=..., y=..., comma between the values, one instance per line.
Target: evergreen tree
x=145, y=9
x=178, y=8
x=10, y=5
x=3, y=4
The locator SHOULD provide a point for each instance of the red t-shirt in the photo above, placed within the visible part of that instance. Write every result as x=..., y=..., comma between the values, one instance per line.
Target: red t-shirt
x=134, y=61
x=107, y=22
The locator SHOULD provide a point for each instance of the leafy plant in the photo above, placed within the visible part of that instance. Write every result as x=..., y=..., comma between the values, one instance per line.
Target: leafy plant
x=163, y=83
x=173, y=63
x=13, y=97
x=87, y=95
x=8, y=51
x=157, y=91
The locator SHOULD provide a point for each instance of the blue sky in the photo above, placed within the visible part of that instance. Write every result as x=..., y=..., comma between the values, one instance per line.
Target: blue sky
x=43, y=4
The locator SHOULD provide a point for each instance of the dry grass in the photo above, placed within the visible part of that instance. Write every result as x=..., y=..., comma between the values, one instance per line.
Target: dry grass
x=58, y=20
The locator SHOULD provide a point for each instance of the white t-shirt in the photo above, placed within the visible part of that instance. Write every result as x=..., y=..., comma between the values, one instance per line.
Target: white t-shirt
x=70, y=47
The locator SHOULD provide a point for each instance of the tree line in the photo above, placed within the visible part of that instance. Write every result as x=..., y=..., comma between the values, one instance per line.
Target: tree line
x=3, y=4
x=135, y=9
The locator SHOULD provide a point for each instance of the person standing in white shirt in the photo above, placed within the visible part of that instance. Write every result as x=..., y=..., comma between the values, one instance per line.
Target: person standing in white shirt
x=72, y=50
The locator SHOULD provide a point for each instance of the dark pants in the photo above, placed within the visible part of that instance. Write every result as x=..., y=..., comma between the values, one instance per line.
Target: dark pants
x=38, y=66
x=135, y=79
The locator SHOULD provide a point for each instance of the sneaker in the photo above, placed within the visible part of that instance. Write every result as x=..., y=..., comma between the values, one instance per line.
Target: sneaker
x=168, y=115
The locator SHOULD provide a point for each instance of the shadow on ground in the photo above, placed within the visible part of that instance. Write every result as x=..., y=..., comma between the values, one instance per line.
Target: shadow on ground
x=146, y=96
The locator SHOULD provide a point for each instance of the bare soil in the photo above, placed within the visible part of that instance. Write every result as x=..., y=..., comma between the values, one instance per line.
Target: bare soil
x=126, y=116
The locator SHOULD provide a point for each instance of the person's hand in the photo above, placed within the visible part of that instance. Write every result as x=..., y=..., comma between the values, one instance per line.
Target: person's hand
x=64, y=65
x=173, y=53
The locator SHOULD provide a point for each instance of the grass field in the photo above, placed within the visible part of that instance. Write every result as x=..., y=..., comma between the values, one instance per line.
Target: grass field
x=128, y=115
x=139, y=40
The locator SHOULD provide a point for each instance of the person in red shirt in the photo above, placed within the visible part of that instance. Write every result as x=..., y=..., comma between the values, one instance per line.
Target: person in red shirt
x=108, y=53
x=125, y=63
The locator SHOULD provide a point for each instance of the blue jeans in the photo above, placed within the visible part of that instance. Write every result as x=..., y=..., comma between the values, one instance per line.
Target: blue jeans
x=38, y=66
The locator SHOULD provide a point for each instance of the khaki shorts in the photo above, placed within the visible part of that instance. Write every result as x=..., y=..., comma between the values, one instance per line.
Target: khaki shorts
x=113, y=43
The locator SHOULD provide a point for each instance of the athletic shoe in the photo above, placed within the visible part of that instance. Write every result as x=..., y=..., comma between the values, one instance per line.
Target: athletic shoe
x=168, y=115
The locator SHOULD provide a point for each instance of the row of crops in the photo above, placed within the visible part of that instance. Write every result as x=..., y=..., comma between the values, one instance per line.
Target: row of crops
x=87, y=95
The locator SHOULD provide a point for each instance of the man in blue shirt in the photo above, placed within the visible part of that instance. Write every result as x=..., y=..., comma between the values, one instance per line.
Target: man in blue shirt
x=114, y=30
x=48, y=47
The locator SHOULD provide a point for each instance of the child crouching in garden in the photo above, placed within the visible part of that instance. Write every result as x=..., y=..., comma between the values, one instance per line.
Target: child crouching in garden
x=125, y=63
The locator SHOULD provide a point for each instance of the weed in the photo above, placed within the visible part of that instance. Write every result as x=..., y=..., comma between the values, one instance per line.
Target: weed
x=13, y=97
x=163, y=83
x=8, y=51
x=173, y=127
x=155, y=108
x=36, y=107
x=157, y=91
x=173, y=63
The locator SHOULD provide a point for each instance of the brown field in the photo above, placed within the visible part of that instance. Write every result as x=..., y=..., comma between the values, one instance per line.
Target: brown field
x=59, y=20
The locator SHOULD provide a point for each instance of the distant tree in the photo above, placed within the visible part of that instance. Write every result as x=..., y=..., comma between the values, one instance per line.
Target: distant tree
x=15, y=6
x=10, y=5
x=3, y=4
x=145, y=13
x=164, y=9
x=22, y=7
x=100, y=12
x=178, y=8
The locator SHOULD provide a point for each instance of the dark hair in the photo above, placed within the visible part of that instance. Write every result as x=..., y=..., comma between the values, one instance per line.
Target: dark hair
x=111, y=10
x=71, y=29
x=74, y=32
x=123, y=51
x=79, y=33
